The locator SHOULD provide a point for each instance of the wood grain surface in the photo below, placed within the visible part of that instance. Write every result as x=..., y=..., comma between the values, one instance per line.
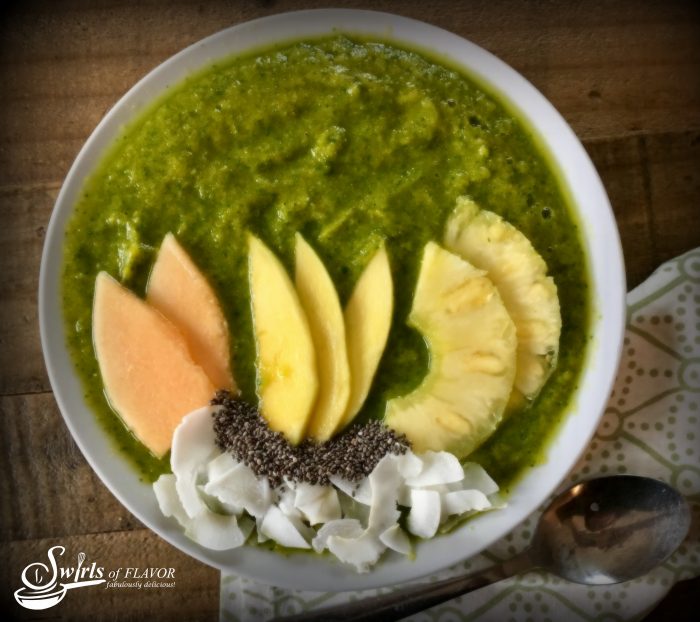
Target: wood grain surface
x=625, y=75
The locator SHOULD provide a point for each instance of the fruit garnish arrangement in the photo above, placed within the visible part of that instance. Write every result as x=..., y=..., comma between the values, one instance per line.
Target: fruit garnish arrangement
x=295, y=470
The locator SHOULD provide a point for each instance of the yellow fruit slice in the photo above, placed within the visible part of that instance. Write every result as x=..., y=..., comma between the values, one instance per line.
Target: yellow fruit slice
x=287, y=379
x=149, y=377
x=367, y=322
x=319, y=300
x=520, y=274
x=182, y=294
x=472, y=358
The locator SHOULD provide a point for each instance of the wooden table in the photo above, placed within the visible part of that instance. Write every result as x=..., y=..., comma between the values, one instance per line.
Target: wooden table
x=625, y=74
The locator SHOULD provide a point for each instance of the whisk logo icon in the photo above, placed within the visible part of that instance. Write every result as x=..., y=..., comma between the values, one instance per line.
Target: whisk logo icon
x=46, y=585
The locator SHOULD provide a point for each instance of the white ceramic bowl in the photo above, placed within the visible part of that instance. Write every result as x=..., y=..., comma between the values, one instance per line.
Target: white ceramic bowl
x=305, y=571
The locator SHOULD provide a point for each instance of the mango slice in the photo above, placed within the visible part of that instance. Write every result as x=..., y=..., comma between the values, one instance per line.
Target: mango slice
x=182, y=294
x=149, y=377
x=320, y=302
x=368, y=317
x=287, y=380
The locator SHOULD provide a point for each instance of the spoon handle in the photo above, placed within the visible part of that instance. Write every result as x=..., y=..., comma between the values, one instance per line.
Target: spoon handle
x=415, y=598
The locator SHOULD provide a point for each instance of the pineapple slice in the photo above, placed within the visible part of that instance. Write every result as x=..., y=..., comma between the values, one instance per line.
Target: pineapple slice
x=520, y=275
x=472, y=358
x=320, y=302
x=286, y=360
x=367, y=322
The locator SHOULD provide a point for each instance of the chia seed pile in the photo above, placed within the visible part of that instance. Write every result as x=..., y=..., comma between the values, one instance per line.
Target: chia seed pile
x=241, y=431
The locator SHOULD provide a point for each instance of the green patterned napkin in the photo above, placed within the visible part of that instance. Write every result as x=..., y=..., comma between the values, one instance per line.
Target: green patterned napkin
x=651, y=427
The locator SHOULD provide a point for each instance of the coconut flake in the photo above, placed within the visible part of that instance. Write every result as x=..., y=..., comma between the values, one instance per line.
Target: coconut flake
x=460, y=501
x=168, y=499
x=409, y=464
x=476, y=477
x=343, y=527
x=384, y=480
x=246, y=524
x=351, y=508
x=439, y=467
x=286, y=500
x=258, y=528
x=194, y=445
x=396, y=539
x=216, y=531
x=424, y=517
x=219, y=466
x=497, y=502
x=359, y=491
x=305, y=494
x=216, y=505
x=308, y=533
x=280, y=528
x=240, y=487
x=362, y=552
x=318, y=504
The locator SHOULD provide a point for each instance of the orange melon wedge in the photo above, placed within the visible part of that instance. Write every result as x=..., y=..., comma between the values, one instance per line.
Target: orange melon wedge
x=149, y=377
x=182, y=294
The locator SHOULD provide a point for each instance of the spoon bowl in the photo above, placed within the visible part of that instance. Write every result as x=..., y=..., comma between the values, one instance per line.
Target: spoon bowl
x=610, y=529
x=598, y=532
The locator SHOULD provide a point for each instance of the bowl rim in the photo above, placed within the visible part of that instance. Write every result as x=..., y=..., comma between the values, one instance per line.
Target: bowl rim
x=578, y=178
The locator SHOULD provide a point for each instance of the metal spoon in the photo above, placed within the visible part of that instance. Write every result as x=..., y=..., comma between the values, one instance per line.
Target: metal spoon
x=601, y=531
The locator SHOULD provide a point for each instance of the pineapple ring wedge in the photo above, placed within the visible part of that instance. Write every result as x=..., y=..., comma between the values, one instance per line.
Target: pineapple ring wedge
x=520, y=274
x=472, y=345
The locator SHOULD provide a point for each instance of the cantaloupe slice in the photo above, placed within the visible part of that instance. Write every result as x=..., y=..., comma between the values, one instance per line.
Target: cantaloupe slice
x=182, y=294
x=148, y=374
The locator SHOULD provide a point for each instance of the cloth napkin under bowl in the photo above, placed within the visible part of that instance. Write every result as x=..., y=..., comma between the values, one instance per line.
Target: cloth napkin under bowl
x=651, y=427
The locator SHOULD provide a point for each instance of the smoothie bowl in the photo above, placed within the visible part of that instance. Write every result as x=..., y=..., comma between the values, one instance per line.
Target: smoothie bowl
x=332, y=299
